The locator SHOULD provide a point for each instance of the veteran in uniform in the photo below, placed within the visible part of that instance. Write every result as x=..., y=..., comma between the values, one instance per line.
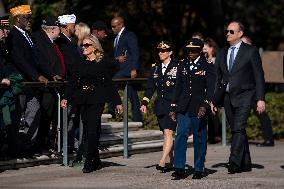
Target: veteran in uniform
x=194, y=91
x=162, y=78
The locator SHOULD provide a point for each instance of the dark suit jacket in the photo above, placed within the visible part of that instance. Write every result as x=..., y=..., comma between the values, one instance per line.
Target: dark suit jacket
x=47, y=50
x=164, y=84
x=95, y=74
x=70, y=52
x=127, y=43
x=27, y=60
x=195, y=86
x=246, y=79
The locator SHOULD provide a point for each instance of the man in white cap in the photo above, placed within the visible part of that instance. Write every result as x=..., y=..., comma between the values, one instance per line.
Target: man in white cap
x=72, y=58
x=69, y=50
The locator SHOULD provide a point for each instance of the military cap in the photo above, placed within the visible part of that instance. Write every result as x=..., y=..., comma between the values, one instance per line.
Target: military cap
x=22, y=9
x=194, y=43
x=165, y=46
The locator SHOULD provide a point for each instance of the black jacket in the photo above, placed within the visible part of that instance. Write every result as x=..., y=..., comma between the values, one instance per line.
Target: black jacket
x=195, y=86
x=70, y=53
x=95, y=75
x=164, y=85
x=46, y=48
x=27, y=60
x=246, y=79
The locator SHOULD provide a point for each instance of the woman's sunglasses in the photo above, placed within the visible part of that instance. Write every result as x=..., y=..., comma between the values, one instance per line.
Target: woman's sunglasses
x=86, y=45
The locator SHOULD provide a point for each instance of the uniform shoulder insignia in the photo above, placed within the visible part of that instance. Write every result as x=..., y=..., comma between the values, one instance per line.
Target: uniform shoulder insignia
x=153, y=65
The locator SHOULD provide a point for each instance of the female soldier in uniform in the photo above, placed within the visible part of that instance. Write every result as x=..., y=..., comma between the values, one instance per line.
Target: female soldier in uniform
x=90, y=86
x=162, y=79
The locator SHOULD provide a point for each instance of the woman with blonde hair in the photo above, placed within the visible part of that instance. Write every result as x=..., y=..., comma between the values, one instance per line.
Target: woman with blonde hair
x=90, y=87
x=81, y=31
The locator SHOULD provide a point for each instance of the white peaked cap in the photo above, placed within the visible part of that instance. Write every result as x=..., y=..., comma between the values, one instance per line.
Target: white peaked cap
x=67, y=19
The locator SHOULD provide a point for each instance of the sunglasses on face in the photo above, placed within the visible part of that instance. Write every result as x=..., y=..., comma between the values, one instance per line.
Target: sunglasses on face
x=163, y=50
x=194, y=51
x=230, y=31
x=86, y=45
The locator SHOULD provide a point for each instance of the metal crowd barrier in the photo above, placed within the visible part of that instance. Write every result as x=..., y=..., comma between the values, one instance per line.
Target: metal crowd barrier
x=64, y=130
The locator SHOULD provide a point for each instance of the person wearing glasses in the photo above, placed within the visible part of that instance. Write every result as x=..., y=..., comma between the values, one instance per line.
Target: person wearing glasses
x=240, y=82
x=90, y=87
x=194, y=92
x=28, y=61
x=263, y=118
x=162, y=78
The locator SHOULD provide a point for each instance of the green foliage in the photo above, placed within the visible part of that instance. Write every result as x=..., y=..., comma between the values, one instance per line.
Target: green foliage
x=275, y=110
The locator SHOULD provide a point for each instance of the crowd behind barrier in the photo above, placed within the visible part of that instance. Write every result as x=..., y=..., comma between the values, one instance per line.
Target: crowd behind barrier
x=34, y=66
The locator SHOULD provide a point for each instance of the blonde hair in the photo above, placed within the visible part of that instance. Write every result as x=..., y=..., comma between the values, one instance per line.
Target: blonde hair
x=99, y=52
x=81, y=31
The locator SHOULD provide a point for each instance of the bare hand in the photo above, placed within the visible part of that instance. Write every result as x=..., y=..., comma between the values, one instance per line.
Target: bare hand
x=173, y=116
x=57, y=78
x=6, y=81
x=133, y=74
x=260, y=106
x=214, y=109
x=63, y=103
x=42, y=79
x=201, y=112
x=143, y=109
x=121, y=58
x=119, y=109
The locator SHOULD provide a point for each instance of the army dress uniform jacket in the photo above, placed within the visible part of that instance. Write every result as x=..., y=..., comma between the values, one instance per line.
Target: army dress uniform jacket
x=164, y=84
x=195, y=86
x=91, y=83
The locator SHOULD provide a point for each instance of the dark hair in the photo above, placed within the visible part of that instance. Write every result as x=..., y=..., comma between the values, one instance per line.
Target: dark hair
x=198, y=35
x=240, y=24
x=211, y=43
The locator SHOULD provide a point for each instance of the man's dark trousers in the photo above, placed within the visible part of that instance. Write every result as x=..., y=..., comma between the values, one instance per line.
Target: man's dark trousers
x=237, y=118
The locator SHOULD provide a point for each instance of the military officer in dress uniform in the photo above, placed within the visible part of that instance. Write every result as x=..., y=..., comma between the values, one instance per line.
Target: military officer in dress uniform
x=194, y=91
x=162, y=78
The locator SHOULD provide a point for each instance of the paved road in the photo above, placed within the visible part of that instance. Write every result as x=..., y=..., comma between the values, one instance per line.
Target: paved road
x=139, y=172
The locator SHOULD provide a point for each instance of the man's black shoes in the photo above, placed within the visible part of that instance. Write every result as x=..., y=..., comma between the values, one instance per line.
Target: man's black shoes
x=179, y=174
x=267, y=143
x=197, y=175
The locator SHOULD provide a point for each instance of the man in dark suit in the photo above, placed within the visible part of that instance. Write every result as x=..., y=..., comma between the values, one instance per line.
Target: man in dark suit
x=126, y=52
x=44, y=40
x=70, y=51
x=194, y=91
x=240, y=80
x=263, y=118
x=30, y=64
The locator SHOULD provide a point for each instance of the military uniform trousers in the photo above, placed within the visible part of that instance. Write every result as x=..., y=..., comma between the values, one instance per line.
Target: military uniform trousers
x=187, y=124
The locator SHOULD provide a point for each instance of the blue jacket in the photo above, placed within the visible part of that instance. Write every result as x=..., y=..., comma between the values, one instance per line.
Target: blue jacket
x=128, y=45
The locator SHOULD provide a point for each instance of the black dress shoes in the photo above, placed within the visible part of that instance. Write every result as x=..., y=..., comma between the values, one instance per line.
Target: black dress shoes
x=233, y=168
x=97, y=165
x=179, y=174
x=87, y=166
x=267, y=143
x=197, y=175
